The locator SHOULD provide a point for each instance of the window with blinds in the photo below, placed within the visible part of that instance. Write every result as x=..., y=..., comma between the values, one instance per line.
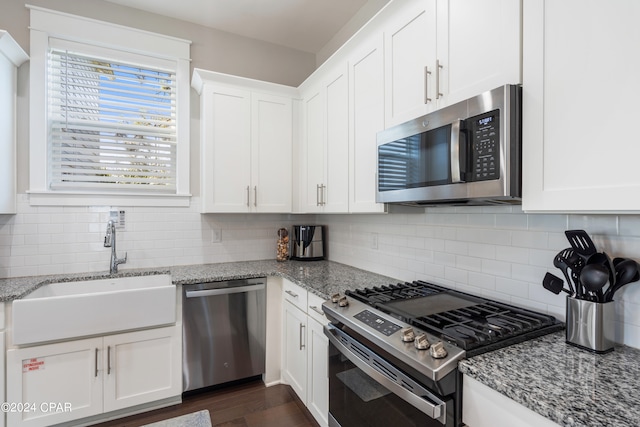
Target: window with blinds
x=112, y=125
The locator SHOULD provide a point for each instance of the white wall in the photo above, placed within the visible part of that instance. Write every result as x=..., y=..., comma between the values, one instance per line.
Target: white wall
x=498, y=252
x=211, y=49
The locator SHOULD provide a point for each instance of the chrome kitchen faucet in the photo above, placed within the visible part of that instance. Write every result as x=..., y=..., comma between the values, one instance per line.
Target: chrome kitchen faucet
x=110, y=241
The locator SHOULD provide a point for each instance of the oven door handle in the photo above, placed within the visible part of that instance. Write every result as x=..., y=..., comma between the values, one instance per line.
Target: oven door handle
x=433, y=407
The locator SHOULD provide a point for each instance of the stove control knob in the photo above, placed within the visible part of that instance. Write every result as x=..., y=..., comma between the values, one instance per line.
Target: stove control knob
x=421, y=342
x=335, y=298
x=438, y=351
x=407, y=334
x=343, y=302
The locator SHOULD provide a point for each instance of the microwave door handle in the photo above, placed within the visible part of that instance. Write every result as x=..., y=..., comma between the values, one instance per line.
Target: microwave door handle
x=455, y=152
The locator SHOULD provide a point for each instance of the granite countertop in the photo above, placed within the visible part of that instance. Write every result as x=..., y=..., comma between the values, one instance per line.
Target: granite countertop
x=323, y=278
x=570, y=386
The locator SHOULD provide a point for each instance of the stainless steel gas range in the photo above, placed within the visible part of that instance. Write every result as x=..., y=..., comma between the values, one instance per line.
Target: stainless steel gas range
x=394, y=351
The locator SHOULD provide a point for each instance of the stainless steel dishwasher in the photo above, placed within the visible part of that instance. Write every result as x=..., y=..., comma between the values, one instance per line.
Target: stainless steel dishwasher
x=223, y=332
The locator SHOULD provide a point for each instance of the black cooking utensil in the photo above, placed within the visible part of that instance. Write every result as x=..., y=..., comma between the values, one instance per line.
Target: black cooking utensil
x=626, y=272
x=562, y=261
x=554, y=284
x=601, y=258
x=581, y=242
x=576, y=262
x=593, y=277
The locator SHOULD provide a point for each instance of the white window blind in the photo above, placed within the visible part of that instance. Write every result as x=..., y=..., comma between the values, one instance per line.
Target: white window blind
x=112, y=124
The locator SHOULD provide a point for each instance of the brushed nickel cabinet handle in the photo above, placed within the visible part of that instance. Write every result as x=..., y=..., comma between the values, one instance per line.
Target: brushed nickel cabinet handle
x=255, y=196
x=318, y=202
x=427, y=73
x=438, y=68
x=248, y=201
x=293, y=294
x=317, y=310
x=109, y=360
x=96, y=361
x=301, y=336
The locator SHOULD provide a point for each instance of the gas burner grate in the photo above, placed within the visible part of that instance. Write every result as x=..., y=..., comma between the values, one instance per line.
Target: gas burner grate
x=482, y=325
x=400, y=291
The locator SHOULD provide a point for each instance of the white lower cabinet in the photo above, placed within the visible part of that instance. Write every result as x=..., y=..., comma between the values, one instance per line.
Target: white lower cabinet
x=305, y=352
x=317, y=371
x=71, y=380
x=294, y=369
x=485, y=407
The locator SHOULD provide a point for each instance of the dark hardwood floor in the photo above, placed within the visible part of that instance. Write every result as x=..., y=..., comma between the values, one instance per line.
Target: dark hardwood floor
x=243, y=405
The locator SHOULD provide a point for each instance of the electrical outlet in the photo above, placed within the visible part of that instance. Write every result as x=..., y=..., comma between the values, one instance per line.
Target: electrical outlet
x=216, y=235
x=118, y=218
x=374, y=240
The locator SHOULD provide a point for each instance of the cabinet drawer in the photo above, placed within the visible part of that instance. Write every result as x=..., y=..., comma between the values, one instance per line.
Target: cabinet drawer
x=314, y=308
x=295, y=294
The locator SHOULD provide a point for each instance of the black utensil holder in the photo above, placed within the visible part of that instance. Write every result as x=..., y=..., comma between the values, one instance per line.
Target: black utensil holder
x=590, y=325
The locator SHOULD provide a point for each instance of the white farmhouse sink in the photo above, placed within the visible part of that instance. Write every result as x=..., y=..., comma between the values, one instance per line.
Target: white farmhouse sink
x=75, y=309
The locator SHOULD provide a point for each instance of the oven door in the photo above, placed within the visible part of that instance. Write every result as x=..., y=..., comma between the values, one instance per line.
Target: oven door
x=367, y=390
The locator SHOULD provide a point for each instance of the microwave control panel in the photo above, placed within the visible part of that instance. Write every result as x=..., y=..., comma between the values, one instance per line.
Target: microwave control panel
x=483, y=132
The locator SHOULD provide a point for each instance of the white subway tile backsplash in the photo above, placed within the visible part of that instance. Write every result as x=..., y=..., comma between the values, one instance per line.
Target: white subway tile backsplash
x=456, y=275
x=496, y=268
x=548, y=222
x=496, y=251
x=594, y=224
x=512, y=287
x=482, y=280
x=512, y=254
x=469, y=263
x=530, y=239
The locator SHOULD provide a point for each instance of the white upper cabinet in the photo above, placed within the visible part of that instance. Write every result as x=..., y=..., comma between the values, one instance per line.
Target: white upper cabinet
x=11, y=57
x=479, y=46
x=325, y=143
x=580, y=87
x=410, y=46
x=439, y=52
x=246, y=136
x=271, y=145
x=225, y=149
x=366, y=118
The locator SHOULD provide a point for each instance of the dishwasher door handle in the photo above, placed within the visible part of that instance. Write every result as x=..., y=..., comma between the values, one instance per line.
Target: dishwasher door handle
x=224, y=291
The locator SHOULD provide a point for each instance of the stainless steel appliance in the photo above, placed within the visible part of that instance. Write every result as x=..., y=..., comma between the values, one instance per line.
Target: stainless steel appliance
x=467, y=153
x=223, y=337
x=308, y=242
x=394, y=351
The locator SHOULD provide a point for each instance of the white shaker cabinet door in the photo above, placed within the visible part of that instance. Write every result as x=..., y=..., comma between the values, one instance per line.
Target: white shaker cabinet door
x=580, y=94
x=410, y=50
x=318, y=372
x=271, y=145
x=294, y=366
x=141, y=367
x=479, y=46
x=69, y=373
x=313, y=149
x=336, y=193
x=225, y=149
x=366, y=98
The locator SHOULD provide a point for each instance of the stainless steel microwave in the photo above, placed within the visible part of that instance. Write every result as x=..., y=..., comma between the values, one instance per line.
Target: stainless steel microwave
x=468, y=153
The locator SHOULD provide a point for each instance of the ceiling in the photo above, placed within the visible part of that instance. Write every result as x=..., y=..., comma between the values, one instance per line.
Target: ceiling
x=305, y=25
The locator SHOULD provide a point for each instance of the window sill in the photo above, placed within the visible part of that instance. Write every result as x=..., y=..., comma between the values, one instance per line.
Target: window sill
x=59, y=198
